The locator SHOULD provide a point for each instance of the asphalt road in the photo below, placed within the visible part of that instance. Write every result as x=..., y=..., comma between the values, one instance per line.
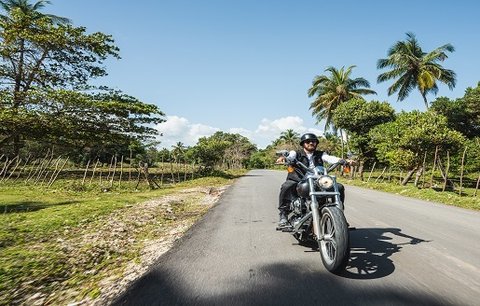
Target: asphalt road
x=403, y=252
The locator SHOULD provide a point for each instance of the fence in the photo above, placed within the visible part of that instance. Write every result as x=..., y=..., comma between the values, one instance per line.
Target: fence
x=47, y=170
x=437, y=172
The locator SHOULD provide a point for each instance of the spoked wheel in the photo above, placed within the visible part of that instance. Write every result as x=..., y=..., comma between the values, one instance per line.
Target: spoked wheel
x=334, y=242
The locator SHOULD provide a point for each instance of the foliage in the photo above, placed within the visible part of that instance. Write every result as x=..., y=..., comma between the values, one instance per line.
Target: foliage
x=330, y=143
x=45, y=63
x=178, y=150
x=463, y=114
x=290, y=138
x=334, y=89
x=260, y=160
x=358, y=117
x=404, y=142
x=92, y=122
x=233, y=150
x=472, y=164
x=411, y=68
x=26, y=8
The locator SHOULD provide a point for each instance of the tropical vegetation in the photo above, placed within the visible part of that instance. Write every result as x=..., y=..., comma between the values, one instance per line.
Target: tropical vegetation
x=411, y=68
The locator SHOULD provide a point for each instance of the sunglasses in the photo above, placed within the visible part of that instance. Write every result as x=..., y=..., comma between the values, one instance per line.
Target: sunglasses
x=311, y=141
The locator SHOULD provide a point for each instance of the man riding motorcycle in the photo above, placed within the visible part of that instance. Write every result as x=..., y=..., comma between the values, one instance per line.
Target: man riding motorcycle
x=308, y=155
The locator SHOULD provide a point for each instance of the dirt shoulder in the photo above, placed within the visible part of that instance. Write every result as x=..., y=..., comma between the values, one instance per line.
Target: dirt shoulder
x=120, y=247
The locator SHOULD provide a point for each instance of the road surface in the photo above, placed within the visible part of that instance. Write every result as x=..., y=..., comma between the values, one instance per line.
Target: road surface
x=403, y=252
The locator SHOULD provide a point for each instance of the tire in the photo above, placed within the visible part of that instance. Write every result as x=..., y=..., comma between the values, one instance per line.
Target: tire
x=334, y=249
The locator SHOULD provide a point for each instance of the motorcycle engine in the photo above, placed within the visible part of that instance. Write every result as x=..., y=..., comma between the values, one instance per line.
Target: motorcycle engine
x=298, y=206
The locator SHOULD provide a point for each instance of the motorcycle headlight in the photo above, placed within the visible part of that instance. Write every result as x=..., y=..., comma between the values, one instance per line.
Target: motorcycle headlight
x=325, y=182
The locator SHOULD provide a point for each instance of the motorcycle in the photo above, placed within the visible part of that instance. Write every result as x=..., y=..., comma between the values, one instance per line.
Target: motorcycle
x=316, y=213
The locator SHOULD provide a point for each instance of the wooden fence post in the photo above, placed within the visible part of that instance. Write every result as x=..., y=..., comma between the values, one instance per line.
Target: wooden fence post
x=110, y=168
x=53, y=172
x=56, y=176
x=446, y=171
x=373, y=168
x=130, y=167
x=162, y=171
x=478, y=183
x=193, y=170
x=4, y=166
x=121, y=172
x=24, y=167
x=424, y=169
x=93, y=172
x=185, y=170
x=114, y=171
x=461, y=170
x=14, y=169
x=31, y=170
x=85, y=174
x=434, y=166
x=381, y=174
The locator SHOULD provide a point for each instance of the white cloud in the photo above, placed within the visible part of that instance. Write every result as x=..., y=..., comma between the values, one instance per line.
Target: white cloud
x=177, y=129
x=244, y=132
x=281, y=124
x=174, y=126
x=269, y=130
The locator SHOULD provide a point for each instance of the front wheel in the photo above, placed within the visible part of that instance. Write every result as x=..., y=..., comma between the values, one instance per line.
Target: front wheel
x=334, y=240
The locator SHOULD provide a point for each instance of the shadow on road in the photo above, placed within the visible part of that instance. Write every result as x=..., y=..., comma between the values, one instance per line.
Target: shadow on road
x=370, y=251
x=287, y=284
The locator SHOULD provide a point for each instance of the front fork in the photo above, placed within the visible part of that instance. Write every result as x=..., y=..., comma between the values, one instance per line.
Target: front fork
x=314, y=207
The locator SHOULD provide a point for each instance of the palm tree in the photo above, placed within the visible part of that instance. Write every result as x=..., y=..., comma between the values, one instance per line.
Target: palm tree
x=290, y=137
x=333, y=89
x=411, y=67
x=29, y=9
x=178, y=150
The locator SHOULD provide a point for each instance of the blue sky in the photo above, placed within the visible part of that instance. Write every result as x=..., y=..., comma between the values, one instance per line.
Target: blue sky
x=245, y=66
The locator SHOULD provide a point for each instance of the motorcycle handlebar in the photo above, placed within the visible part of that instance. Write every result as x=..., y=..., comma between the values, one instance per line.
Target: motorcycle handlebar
x=329, y=169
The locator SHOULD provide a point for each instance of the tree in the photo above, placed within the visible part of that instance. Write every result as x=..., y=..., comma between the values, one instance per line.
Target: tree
x=231, y=150
x=29, y=10
x=358, y=117
x=334, y=89
x=330, y=143
x=260, y=160
x=463, y=114
x=290, y=138
x=45, y=68
x=411, y=68
x=404, y=142
x=178, y=150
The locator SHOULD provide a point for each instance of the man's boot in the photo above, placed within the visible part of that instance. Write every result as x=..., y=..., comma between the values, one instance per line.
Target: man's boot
x=282, y=219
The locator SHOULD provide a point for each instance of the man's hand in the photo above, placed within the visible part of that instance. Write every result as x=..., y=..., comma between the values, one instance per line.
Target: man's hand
x=351, y=162
x=280, y=160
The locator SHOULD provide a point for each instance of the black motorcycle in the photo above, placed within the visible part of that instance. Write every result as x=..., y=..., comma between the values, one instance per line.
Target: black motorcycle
x=316, y=213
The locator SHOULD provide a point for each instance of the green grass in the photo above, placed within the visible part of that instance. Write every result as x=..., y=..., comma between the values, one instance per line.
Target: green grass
x=467, y=200
x=35, y=221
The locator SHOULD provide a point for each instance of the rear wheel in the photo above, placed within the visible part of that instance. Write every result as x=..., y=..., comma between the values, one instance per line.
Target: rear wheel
x=334, y=239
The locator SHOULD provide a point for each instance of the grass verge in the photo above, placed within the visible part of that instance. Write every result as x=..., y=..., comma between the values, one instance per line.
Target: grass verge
x=58, y=245
x=427, y=194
